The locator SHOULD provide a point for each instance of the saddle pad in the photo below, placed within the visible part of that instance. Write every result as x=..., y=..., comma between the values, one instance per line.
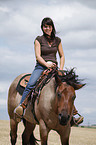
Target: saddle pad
x=22, y=83
x=25, y=80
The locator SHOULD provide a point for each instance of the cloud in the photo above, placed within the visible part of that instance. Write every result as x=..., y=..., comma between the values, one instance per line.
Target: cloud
x=75, y=24
x=89, y=110
x=87, y=3
x=20, y=24
x=4, y=9
x=80, y=40
x=2, y=102
x=12, y=62
x=84, y=60
x=3, y=86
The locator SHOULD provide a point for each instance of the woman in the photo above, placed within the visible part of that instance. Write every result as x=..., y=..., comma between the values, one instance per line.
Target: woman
x=46, y=47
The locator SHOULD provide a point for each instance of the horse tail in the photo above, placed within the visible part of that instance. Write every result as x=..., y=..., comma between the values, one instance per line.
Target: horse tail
x=33, y=140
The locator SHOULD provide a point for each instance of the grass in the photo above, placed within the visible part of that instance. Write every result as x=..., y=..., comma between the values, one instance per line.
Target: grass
x=79, y=135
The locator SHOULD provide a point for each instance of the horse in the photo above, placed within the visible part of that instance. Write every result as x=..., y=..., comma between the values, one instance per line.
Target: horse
x=54, y=110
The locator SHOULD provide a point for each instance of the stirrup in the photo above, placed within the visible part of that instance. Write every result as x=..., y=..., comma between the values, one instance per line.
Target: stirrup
x=18, y=113
x=76, y=121
x=79, y=120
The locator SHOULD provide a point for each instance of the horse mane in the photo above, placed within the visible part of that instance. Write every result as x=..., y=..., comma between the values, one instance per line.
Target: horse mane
x=68, y=76
x=71, y=78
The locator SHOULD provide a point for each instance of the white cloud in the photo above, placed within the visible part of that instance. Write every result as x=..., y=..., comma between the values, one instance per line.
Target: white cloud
x=89, y=110
x=84, y=60
x=4, y=85
x=23, y=22
x=75, y=22
x=20, y=23
x=4, y=9
x=81, y=39
x=12, y=61
x=2, y=102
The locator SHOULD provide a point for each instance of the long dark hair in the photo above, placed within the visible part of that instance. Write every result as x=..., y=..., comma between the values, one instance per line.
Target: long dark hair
x=48, y=21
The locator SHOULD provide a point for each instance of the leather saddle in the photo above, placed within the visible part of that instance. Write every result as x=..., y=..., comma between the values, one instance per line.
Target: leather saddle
x=25, y=79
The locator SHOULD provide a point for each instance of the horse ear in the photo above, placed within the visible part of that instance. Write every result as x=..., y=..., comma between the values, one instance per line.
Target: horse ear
x=58, y=80
x=78, y=86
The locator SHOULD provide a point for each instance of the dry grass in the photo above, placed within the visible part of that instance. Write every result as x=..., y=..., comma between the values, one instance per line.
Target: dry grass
x=79, y=136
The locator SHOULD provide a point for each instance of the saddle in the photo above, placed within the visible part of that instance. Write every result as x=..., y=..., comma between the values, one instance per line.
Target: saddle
x=25, y=79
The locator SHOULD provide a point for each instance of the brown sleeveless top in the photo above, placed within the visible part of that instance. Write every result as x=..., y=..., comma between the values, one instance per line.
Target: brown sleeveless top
x=48, y=53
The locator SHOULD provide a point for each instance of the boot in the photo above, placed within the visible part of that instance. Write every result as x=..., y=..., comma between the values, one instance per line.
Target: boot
x=19, y=110
x=79, y=120
x=18, y=113
x=76, y=121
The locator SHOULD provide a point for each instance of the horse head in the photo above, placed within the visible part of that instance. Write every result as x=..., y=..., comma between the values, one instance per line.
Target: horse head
x=65, y=96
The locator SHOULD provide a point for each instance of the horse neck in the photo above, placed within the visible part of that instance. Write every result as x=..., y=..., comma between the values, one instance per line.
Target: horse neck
x=48, y=94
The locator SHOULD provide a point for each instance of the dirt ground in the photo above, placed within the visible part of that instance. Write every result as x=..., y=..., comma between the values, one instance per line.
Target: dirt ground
x=79, y=136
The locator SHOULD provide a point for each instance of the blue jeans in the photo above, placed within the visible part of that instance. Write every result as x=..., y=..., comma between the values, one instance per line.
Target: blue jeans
x=33, y=79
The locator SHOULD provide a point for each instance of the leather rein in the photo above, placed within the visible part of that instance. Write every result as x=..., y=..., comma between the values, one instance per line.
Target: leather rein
x=46, y=76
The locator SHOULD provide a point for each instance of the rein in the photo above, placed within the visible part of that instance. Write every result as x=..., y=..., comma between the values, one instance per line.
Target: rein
x=46, y=76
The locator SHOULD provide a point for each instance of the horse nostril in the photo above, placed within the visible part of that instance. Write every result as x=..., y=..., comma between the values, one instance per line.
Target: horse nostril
x=63, y=119
x=60, y=115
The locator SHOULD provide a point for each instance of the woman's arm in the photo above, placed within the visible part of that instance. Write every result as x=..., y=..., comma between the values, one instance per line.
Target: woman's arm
x=38, y=55
x=61, y=54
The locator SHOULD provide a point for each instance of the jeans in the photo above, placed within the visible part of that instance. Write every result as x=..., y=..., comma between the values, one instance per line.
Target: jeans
x=33, y=79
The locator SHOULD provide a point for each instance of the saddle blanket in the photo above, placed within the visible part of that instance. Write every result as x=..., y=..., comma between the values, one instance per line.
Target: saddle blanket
x=23, y=83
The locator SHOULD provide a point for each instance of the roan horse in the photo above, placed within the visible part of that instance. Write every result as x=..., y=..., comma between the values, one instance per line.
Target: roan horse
x=53, y=112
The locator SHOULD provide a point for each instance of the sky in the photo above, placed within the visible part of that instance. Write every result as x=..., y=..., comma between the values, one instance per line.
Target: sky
x=75, y=23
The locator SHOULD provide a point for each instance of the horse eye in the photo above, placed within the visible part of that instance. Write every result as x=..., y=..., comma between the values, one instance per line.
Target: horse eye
x=59, y=95
x=73, y=97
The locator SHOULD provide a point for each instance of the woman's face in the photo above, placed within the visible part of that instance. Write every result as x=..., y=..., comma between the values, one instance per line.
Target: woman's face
x=47, y=29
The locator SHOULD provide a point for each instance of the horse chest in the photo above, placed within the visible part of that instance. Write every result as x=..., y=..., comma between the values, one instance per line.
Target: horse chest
x=47, y=112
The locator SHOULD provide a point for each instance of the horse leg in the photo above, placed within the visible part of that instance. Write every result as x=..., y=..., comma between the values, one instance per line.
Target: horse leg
x=65, y=141
x=65, y=137
x=13, y=131
x=27, y=136
x=43, y=132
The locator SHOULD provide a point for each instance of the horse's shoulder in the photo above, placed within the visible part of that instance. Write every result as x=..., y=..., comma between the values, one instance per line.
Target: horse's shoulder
x=50, y=86
x=48, y=93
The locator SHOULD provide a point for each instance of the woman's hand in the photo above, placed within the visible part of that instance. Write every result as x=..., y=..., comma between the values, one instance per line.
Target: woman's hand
x=50, y=64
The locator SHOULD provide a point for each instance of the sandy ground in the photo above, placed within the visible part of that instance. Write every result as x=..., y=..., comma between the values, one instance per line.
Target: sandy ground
x=79, y=136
